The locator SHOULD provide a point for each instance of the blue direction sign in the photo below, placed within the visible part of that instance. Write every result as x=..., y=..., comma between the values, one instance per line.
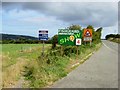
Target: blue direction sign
x=43, y=35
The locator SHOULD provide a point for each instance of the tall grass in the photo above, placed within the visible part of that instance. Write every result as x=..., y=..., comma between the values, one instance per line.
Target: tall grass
x=14, y=58
x=40, y=71
x=45, y=71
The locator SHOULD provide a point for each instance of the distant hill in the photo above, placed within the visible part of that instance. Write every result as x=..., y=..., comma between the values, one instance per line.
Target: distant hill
x=16, y=37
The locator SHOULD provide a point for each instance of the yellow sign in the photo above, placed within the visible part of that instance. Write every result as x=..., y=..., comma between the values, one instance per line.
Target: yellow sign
x=72, y=38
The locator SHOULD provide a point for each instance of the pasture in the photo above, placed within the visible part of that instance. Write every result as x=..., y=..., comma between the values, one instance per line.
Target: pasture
x=14, y=58
x=22, y=65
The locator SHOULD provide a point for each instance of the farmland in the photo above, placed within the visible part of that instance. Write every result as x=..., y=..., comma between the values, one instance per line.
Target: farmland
x=14, y=58
x=23, y=66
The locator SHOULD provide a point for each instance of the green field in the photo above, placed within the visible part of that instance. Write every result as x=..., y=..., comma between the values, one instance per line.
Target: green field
x=14, y=51
x=25, y=60
x=17, y=56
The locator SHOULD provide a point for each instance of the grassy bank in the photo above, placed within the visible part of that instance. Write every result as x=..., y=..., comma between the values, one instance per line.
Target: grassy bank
x=116, y=40
x=14, y=58
x=25, y=60
x=44, y=71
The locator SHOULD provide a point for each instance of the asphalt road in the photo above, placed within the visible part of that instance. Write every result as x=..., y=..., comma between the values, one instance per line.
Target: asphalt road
x=100, y=71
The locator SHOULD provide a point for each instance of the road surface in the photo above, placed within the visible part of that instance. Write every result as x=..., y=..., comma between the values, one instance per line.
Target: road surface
x=100, y=71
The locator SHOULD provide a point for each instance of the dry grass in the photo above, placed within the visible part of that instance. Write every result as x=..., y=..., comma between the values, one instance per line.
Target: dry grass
x=14, y=58
x=12, y=74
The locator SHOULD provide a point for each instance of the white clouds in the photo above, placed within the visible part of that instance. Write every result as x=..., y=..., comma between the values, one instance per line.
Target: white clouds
x=96, y=14
x=54, y=15
x=27, y=22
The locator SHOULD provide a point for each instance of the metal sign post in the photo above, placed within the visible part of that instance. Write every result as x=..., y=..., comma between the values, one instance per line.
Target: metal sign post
x=87, y=36
x=61, y=51
x=78, y=42
x=43, y=49
x=43, y=35
x=90, y=43
x=70, y=37
x=77, y=53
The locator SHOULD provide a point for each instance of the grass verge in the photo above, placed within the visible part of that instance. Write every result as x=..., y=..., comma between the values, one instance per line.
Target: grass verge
x=44, y=71
x=116, y=40
x=14, y=58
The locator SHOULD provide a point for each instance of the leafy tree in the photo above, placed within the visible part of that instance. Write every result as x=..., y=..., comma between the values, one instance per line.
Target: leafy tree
x=99, y=31
x=96, y=35
x=112, y=36
x=74, y=27
x=54, y=41
x=90, y=27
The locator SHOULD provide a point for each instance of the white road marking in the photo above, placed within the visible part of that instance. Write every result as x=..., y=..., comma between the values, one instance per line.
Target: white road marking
x=84, y=59
x=107, y=46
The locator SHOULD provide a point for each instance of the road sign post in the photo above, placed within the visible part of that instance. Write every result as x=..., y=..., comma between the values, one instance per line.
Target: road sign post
x=70, y=37
x=77, y=53
x=61, y=50
x=87, y=36
x=43, y=35
x=43, y=49
x=90, y=43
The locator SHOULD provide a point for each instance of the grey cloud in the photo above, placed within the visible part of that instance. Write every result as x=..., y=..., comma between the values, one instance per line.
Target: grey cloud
x=96, y=14
x=8, y=6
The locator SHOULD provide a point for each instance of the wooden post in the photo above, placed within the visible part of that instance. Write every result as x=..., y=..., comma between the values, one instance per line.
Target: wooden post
x=61, y=50
x=77, y=53
x=43, y=49
x=90, y=43
x=70, y=50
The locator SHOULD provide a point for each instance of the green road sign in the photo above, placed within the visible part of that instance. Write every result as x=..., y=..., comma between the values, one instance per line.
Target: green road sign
x=69, y=37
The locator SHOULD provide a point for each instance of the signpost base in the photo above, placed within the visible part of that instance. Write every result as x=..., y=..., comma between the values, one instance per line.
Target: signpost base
x=42, y=54
x=61, y=52
x=90, y=43
x=77, y=54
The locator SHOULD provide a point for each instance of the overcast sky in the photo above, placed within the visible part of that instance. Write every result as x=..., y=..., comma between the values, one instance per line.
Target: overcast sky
x=27, y=18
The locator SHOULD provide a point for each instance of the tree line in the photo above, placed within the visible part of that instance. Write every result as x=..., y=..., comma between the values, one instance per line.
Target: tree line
x=96, y=34
x=24, y=41
x=112, y=36
x=96, y=38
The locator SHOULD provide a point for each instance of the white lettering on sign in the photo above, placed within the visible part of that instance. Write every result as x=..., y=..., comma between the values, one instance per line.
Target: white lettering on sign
x=87, y=39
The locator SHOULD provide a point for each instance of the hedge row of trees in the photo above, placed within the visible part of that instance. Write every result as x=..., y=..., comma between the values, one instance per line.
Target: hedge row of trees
x=24, y=41
x=96, y=34
x=112, y=36
x=54, y=40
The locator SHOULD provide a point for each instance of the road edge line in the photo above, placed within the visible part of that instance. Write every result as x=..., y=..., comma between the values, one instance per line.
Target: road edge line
x=107, y=46
x=83, y=60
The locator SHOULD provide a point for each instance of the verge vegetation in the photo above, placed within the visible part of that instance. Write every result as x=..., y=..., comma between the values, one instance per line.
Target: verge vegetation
x=25, y=60
x=44, y=71
x=113, y=37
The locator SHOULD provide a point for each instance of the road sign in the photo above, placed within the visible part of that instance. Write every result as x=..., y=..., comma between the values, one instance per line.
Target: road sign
x=87, y=38
x=68, y=37
x=78, y=41
x=43, y=35
x=87, y=32
x=87, y=35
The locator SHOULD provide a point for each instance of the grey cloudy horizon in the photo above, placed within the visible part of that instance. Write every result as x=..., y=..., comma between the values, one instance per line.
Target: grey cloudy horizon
x=98, y=14
x=95, y=14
